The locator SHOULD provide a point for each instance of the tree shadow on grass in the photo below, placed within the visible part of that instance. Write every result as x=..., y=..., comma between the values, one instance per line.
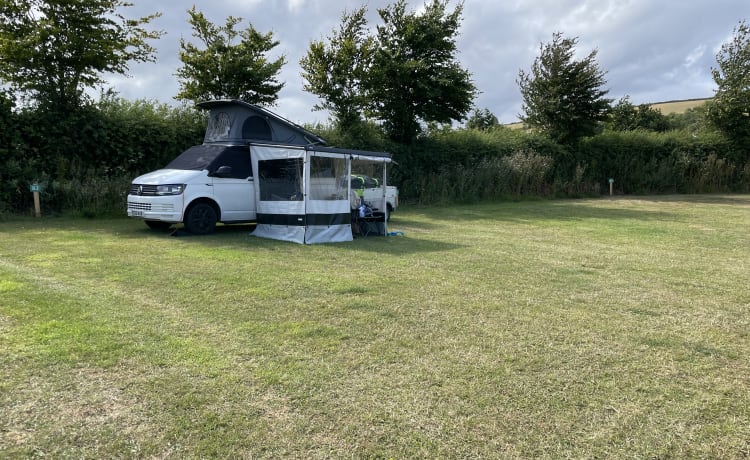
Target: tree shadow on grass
x=399, y=245
x=241, y=235
x=558, y=210
x=413, y=221
x=741, y=200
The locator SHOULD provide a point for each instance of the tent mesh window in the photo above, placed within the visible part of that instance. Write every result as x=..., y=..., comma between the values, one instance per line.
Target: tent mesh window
x=219, y=126
x=281, y=179
x=324, y=184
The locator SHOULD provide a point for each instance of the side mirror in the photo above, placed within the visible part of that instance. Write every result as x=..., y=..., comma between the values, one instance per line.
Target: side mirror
x=223, y=171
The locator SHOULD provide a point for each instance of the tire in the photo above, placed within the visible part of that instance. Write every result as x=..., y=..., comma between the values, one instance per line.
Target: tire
x=158, y=224
x=201, y=219
x=390, y=210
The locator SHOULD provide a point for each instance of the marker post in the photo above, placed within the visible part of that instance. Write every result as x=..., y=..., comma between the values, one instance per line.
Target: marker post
x=35, y=189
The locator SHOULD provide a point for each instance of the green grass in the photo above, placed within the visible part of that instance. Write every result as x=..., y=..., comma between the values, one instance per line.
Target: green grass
x=551, y=329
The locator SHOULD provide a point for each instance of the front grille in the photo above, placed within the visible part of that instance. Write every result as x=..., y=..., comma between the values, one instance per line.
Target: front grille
x=139, y=206
x=142, y=190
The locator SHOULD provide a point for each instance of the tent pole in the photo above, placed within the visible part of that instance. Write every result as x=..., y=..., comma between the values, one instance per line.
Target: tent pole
x=349, y=159
x=385, y=199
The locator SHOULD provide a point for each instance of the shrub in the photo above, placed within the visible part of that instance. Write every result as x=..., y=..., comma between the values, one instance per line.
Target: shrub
x=528, y=171
x=83, y=156
x=520, y=173
x=647, y=162
x=744, y=185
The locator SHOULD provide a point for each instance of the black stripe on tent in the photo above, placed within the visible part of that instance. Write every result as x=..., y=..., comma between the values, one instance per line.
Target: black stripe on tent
x=282, y=219
x=302, y=220
x=329, y=219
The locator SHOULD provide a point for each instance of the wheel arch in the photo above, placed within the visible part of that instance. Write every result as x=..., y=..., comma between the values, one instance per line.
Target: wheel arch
x=207, y=201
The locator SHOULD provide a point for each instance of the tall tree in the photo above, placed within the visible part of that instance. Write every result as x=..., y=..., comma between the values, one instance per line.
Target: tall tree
x=415, y=76
x=730, y=109
x=563, y=97
x=54, y=49
x=225, y=69
x=336, y=71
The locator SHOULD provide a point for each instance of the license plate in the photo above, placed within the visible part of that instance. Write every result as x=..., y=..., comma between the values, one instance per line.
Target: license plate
x=136, y=213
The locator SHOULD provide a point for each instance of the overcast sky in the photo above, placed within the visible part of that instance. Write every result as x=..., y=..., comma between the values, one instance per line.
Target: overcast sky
x=652, y=50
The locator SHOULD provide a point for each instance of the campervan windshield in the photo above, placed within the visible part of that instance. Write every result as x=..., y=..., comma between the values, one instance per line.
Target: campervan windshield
x=210, y=157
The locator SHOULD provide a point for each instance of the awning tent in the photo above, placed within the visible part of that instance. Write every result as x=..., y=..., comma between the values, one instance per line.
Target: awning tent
x=303, y=194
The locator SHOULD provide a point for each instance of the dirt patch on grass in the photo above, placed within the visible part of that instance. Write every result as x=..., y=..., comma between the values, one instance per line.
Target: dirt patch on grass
x=84, y=406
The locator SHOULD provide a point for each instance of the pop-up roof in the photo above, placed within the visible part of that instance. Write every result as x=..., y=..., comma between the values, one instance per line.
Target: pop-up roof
x=235, y=121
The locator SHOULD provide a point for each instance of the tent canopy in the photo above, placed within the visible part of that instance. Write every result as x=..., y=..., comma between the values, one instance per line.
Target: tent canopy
x=303, y=193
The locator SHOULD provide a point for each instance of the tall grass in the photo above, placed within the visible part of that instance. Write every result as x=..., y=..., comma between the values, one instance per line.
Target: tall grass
x=523, y=173
x=90, y=195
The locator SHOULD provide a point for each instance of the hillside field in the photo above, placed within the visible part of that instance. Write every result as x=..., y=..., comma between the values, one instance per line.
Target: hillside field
x=679, y=106
x=664, y=107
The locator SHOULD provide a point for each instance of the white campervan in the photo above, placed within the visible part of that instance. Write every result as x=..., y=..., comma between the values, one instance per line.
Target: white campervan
x=206, y=184
x=215, y=182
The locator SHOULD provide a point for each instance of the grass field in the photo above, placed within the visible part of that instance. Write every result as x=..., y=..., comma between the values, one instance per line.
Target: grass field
x=548, y=329
x=665, y=108
x=678, y=106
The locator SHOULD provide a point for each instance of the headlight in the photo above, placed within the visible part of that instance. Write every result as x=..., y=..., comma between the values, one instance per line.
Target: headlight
x=170, y=189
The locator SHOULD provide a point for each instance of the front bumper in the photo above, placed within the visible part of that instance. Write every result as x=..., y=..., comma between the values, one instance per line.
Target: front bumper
x=163, y=208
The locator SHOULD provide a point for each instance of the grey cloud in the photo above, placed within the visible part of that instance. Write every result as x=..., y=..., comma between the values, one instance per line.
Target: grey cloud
x=652, y=51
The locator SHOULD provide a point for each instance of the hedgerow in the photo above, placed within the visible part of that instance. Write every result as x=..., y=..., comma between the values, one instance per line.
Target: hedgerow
x=78, y=156
x=85, y=158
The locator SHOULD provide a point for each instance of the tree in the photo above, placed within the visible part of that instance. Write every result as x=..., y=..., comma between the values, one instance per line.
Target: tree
x=54, y=49
x=482, y=120
x=336, y=71
x=415, y=77
x=563, y=97
x=693, y=120
x=8, y=131
x=625, y=116
x=225, y=70
x=730, y=109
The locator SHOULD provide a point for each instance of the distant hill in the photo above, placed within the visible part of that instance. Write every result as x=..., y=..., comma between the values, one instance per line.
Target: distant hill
x=679, y=106
x=665, y=108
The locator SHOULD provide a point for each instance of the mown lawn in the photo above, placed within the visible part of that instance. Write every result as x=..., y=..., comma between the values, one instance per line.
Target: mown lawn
x=588, y=329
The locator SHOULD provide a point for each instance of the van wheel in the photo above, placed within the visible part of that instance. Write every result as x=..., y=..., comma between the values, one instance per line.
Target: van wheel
x=390, y=210
x=158, y=224
x=201, y=219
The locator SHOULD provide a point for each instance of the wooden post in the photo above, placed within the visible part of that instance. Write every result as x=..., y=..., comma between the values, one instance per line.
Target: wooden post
x=37, y=205
x=611, y=181
x=35, y=189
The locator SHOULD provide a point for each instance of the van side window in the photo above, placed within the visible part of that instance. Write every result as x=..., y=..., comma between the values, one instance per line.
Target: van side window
x=238, y=158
